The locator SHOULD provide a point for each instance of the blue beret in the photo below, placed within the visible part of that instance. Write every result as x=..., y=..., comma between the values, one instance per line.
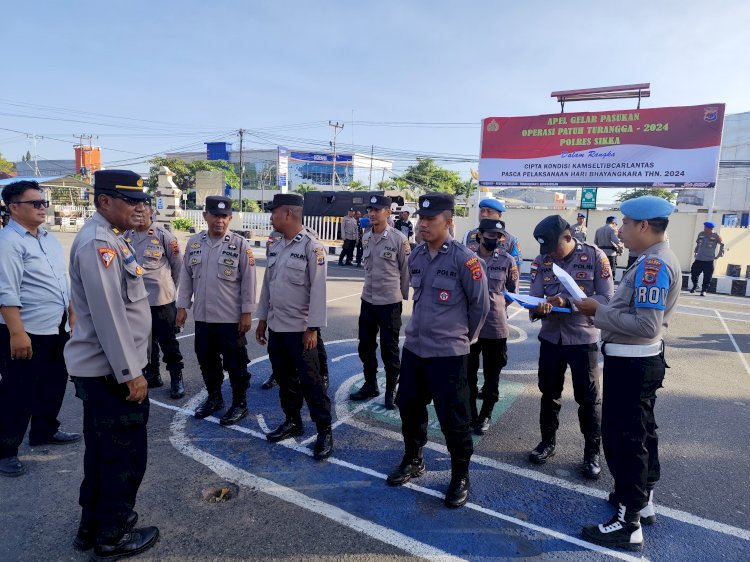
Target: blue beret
x=647, y=207
x=492, y=203
x=709, y=224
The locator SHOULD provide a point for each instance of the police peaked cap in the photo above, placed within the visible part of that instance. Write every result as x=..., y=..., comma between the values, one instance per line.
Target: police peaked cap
x=285, y=199
x=122, y=182
x=379, y=202
x=491, y=225
x=647, y=207
x=218, y=205
x=548, y=232
x=432, y=204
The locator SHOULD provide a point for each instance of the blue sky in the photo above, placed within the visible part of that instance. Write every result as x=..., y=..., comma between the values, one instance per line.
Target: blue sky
x=148, y=77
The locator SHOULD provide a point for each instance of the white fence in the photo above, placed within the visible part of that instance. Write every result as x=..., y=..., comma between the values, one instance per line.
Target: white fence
x=68, y=218
x=260, y=224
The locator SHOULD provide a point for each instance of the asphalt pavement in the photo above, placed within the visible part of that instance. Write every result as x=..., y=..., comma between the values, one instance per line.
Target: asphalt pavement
x=283, y=505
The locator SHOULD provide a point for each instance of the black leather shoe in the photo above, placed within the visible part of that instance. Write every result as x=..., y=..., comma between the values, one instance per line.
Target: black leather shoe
x=176, y=387
x=458, y=491
x=323, y=445
x=132, y=543
x=542, y=452
x=703, y=293
x=234, y=414
x=86, y=536
x=367, y=391
x=211, y=405
x=290, y=428
x=270, y=383
x=693, y=289
x=590, y=467
x=408, y=469
x=390, y=399
x=59, y=438
x=11, y=466
x=482, y=426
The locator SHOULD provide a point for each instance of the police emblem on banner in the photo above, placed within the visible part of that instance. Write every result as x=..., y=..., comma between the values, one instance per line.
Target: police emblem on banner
x=710, y=114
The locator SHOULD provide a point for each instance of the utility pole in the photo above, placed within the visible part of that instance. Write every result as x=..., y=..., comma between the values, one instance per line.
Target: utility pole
x=336, y=129
x=242, y=167
x=36, y=156
x=372, y=151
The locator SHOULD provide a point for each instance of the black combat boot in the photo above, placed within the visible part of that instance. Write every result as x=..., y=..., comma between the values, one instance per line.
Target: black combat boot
x=622, y=531
x=544, y=451
x=324, y=443
x=458, y=490
x=131, y=543
x=412, y=466
x=86, y=535
x=153, y=376
x=591, y=468
x=213, y=403
x=235, y=413
x=291, y=427
x=176, y=386
x=368, y=390
x=270, y=383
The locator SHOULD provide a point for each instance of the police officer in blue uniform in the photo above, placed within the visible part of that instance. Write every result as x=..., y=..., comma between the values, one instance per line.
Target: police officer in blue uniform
x=633, y=325
x=451, y=302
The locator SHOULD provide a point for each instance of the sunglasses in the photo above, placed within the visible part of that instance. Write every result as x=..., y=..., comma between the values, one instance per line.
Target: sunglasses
x=129, y=200
x=37, y=203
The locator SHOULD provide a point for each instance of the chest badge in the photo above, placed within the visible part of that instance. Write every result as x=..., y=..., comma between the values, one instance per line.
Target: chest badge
x=444, y=296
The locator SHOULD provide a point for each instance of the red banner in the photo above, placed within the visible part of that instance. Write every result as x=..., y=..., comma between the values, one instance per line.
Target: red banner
x=668, y=147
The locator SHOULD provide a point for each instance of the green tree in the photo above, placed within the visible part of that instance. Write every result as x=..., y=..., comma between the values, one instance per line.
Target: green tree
x=304, y=188
x=638, y=192
x=355, y=185
x=248, y=206
x=6, y=166
x=431, y=177
x=385, y=185
x=184, y=172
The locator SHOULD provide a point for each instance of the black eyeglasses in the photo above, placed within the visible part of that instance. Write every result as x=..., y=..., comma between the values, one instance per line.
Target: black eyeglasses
x=129, y=200
x=38, y=203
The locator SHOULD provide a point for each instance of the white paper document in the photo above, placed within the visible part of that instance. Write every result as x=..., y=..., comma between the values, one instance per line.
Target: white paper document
x=530, y=302
x=570, y=285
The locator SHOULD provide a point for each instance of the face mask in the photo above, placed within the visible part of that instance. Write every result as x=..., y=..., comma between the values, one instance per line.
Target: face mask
x=489, y=244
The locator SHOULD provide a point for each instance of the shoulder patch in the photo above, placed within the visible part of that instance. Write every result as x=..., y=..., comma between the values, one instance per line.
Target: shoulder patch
x=514, y=272
x=250, y=256
x=407, y=247
x=534, y=270
x=320, y=256
x=606, y=269
x=473, y=265
x=651, y=284
x=106, y=255
x=174, y=245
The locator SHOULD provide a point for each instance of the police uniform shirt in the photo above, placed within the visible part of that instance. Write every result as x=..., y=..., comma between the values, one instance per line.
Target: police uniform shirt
x=386, y=258
x=705, y=246
x=606, y=238
x=219, y=275
x=451, y=300
x=590, y=268
x=644, y=302
x=508, y=242
x=350, y=229
x=158, y=252
x=33, y=277
x=579, y=232
x=113, y=319
x=293, y=297
x=502, y=274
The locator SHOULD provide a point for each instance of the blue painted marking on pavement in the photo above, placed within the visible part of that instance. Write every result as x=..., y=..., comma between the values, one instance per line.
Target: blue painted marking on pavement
x=468, y=533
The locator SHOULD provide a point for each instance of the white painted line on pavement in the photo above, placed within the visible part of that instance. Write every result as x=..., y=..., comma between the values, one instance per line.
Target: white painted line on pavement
x=345, y=297
x=734, y=342
x=226, y=470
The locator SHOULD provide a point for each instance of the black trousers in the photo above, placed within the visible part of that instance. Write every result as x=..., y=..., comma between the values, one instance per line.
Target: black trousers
x=385, y=318
x=631, y=445
x=116, y=452
x=31, y=390
x=613, y=263
x=360, y=249
x=494, y=354
x=220, y=347
x=347, y=251
x=441, y=380
x=583, y=361
x=298, y=373
x=164, y=335
x=704, y=267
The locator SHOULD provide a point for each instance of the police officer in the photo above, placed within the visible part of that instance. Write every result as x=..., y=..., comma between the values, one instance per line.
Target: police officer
x=633, y=325
x=578, y=230
x=349, y=232
x=607, y=240
x=451, y=303
x=158, y=252
x=705, y=256
x=386, y=253
x=403, y=224
x=491, y=208
x=360, y=233
x=218, y=273
x=502, y=274
x=34, y=313
x=568, y=339
x=292, y=307
x=106, y=357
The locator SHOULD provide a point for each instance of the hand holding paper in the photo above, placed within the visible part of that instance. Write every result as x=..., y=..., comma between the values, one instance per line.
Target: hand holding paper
x=575, y=292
